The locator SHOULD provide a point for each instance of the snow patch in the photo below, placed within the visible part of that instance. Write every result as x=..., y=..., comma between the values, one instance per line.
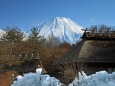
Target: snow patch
x=1, y=32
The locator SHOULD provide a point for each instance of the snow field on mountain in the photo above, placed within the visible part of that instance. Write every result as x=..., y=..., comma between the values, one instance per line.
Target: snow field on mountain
x=1, y=32
x=63, y=28
x=101, y=78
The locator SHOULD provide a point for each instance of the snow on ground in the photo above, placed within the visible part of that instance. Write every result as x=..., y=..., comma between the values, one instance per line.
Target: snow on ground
x=36, y=79
x=101, y=78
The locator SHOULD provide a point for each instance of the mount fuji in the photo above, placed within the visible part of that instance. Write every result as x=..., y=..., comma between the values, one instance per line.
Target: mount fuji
x=63, y=28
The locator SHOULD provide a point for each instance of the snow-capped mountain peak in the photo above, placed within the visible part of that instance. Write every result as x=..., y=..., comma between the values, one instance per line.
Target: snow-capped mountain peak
x=63, y=28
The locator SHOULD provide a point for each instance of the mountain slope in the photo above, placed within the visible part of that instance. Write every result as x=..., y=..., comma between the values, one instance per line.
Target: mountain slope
x=63, y=28
x=1, y=32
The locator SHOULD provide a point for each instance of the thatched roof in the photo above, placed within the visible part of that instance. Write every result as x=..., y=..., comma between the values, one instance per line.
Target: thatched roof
x=91, y=51
x=97, y=51
x=99, y=35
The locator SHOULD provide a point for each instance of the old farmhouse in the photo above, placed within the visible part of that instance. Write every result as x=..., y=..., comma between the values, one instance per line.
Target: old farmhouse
x=96, y=51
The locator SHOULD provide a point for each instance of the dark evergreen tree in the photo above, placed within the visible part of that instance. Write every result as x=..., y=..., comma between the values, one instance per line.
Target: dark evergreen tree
x=14, y=34
x=34, y=36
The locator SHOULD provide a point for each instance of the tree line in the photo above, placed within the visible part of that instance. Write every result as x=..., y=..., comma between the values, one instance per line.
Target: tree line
x=101, y=28
x=14, y=46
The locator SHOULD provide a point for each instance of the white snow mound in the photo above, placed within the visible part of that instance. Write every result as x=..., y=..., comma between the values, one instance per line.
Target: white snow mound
x=36, y=79
x=101, y=78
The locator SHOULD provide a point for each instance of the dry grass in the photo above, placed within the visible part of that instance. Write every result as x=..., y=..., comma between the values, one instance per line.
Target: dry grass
x=7, y=78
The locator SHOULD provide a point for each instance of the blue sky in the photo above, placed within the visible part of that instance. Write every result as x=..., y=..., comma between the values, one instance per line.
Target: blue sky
x=29, y=13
